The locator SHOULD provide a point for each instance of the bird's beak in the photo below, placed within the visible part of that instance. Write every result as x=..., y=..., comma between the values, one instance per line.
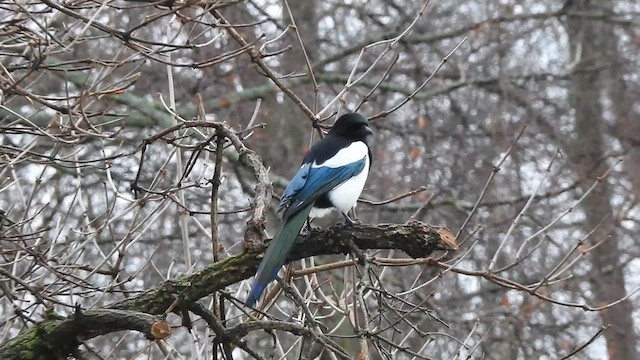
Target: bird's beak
x=368, y=131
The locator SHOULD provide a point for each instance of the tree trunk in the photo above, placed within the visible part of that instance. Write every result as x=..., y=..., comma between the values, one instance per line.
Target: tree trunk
x=587, y=37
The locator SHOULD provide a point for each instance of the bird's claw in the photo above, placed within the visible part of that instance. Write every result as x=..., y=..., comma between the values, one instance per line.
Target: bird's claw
x=308, y=229
x=348, y=221
x=356, y=251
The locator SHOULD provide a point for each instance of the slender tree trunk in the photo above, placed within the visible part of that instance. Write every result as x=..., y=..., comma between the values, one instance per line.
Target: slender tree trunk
x=587, y=38
x=621, y=97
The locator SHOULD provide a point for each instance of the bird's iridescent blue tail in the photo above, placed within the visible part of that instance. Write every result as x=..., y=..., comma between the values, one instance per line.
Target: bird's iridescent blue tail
x=277, y=253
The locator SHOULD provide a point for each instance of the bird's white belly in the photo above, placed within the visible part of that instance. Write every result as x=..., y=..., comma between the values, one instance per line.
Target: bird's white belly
x=345, y=195
x=319, y=212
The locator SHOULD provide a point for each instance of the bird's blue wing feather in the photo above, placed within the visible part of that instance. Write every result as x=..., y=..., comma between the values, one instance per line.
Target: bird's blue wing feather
x=317, y=181
x=296, y=183
x=305, y=187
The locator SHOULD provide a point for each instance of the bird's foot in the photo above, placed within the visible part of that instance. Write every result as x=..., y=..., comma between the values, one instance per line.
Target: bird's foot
x=308, y=228
x=348, y=221
x=356, y=251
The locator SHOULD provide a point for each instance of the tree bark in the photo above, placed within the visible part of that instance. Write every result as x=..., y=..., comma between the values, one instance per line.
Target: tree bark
x=57, y=338
x=587, y=37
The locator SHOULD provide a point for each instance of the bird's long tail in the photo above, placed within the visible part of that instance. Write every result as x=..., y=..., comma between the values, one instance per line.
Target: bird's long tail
x=277, y=253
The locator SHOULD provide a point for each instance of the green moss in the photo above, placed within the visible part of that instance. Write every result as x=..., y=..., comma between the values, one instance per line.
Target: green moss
x=43, y=341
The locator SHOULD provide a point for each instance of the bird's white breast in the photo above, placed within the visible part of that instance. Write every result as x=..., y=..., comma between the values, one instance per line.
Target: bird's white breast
x=345, y=156
x=345, y=195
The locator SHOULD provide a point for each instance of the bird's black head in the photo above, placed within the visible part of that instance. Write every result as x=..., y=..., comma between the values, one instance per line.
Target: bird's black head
x=352, y=126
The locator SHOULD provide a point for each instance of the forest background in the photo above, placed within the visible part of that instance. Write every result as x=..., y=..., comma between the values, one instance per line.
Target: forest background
x=143, y=145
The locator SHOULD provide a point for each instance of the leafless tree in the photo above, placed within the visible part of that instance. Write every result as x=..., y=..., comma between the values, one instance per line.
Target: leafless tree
x=143, y=145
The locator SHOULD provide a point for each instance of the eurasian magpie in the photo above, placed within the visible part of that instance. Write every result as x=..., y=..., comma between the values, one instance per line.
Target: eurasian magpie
x=332, y=175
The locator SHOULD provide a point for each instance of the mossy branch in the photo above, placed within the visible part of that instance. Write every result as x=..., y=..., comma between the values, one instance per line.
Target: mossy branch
x=56, y=339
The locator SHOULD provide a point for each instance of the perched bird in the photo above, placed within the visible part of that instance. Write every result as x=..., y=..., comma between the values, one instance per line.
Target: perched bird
x=332, y=175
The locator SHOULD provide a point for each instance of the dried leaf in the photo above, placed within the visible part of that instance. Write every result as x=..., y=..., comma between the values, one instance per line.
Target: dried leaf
x=224, y=102
x=414, y=153
x=422, y=122
x=527, y=309
x=505, y=301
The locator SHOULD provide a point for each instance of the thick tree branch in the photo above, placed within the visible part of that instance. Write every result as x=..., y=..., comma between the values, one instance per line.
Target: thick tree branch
x=57, y=338
x=416, y=239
